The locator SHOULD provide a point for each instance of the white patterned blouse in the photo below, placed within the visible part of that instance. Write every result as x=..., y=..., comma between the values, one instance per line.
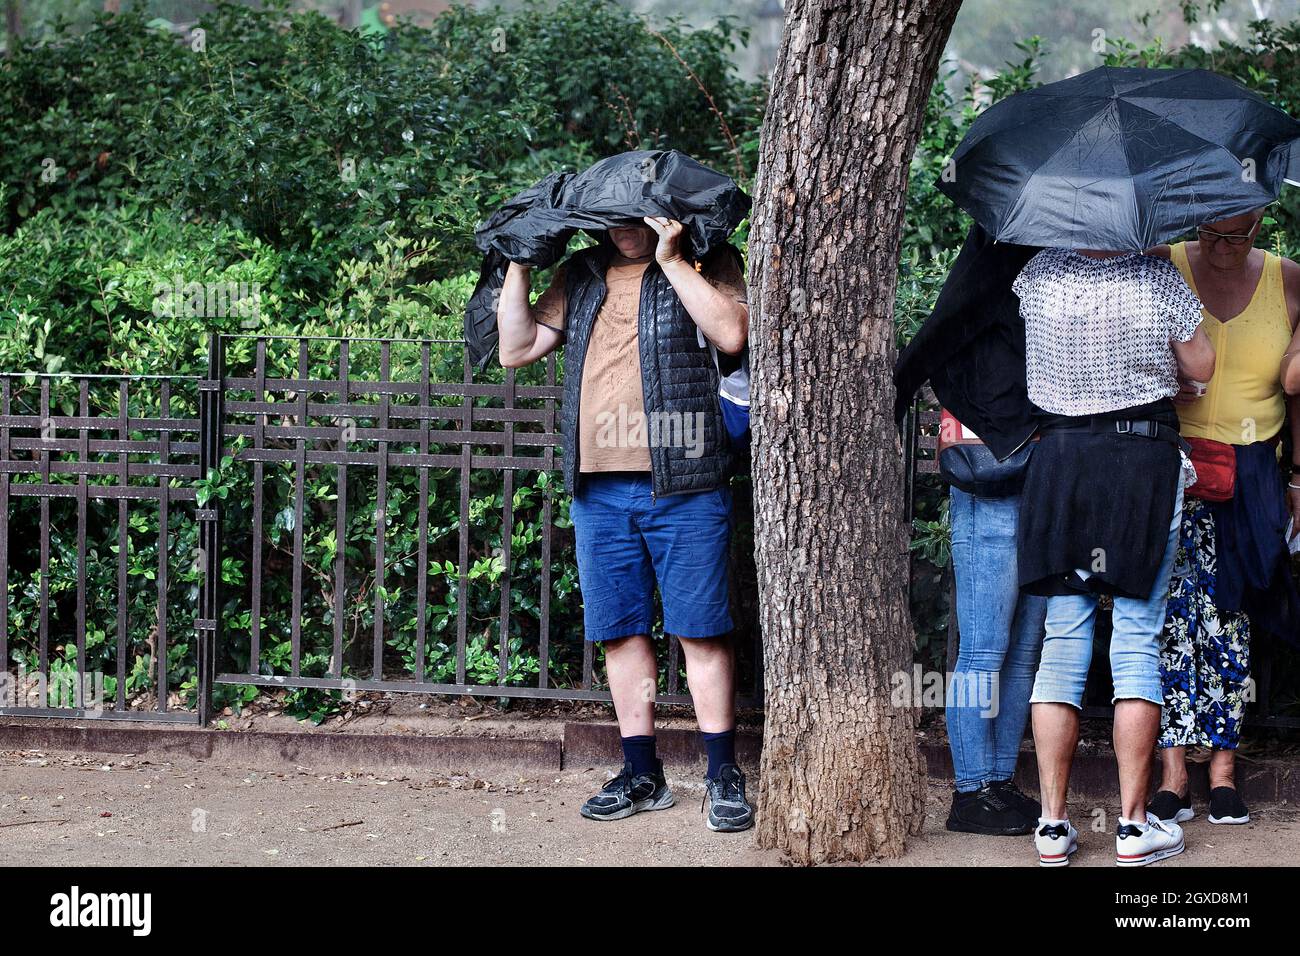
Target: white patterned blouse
x=1098, y=332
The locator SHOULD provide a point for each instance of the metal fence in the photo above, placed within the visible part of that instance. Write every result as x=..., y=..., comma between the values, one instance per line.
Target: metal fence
x=359, y=515
x=337, y=514
x=87, y=460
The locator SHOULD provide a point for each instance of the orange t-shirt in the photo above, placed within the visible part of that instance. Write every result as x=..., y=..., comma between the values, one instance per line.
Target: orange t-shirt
x=613, y=434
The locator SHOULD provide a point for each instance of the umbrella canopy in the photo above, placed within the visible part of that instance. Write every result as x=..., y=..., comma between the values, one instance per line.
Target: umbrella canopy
x=1120, y=158
x=534, y=227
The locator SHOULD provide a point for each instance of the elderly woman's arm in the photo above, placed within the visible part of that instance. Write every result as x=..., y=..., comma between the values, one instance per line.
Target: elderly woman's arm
x=1195, y=357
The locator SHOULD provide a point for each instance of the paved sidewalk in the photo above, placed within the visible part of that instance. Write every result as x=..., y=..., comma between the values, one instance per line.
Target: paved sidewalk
x=75, y=810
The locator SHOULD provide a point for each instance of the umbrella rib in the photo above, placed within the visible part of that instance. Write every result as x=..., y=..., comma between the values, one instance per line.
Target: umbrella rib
x=1069, y=140
x=1128, y=162
x=1195, y=136
x=1027, y=121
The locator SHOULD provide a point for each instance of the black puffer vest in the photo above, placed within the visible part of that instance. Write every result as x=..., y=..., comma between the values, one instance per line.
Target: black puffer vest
x=678, y=377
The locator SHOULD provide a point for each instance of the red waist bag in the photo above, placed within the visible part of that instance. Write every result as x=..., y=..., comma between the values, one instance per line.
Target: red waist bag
x=1216, y=469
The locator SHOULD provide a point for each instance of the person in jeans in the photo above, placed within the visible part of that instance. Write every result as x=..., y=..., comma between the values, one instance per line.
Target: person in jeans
x=1107, y=336
x=1001, y=632
x=646, y=460
x=971, y=349
x=1251, y=300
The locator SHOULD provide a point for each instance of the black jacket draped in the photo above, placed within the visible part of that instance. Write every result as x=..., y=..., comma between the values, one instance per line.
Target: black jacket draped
x=972, y=347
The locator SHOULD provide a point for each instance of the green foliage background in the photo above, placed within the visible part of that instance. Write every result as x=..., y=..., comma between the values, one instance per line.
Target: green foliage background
x=134, y=157
x=344, y=174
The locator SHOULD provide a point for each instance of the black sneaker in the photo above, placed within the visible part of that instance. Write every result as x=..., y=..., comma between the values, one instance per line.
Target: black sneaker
x=986, y=812
x=1169, y=807
x=729, y=811
x=626, y=795
x=1017, y=798
x=1226, y=806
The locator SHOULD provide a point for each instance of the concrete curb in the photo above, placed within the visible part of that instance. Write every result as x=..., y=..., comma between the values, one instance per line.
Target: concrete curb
x=324, y=751
x=582, y=744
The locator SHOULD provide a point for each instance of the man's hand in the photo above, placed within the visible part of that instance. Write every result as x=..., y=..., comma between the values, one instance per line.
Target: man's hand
x=670, y=233
x=723, y=320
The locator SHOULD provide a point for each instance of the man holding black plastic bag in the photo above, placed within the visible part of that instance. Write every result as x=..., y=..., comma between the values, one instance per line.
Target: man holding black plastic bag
x=646, y=453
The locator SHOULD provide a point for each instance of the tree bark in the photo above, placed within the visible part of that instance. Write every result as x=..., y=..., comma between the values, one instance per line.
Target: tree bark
x=842, y=777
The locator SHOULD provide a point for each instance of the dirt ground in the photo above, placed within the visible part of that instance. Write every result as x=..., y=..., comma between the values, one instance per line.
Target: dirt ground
x=60, y=809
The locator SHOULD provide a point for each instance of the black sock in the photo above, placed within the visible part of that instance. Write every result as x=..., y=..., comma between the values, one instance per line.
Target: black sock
x=640, y=753
x=721, y=749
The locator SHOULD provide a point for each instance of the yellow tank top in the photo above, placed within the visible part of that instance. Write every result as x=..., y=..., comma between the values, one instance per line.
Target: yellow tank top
x=1244, y=401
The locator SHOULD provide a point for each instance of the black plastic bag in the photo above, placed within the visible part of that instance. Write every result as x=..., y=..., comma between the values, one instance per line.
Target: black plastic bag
x=534, y=228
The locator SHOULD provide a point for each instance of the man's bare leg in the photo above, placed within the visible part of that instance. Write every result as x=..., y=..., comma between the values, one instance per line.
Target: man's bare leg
x=711, y=676
x=633, y=680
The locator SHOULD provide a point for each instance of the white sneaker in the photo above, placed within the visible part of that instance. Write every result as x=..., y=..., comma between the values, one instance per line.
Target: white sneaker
x=1137, y=844
x=1055, y=841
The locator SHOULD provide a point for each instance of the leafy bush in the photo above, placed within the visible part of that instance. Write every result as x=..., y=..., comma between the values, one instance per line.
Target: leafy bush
x=1267, y=61
x=341, y=177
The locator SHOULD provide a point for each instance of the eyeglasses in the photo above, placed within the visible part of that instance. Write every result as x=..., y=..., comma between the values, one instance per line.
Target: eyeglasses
x=1210, y=236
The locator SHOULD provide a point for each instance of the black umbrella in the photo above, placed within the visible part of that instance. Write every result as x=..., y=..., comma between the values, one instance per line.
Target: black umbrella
x=1121, y=159
x=534, y=228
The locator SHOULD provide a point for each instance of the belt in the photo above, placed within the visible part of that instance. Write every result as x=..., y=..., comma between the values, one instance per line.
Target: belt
x=1146, y=429
x=1143, y=428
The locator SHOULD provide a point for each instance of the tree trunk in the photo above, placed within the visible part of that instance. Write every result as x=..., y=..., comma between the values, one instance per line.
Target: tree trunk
x=842, y=778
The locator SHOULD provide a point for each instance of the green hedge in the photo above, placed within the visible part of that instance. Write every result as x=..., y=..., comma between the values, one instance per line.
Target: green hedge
x=342, y=176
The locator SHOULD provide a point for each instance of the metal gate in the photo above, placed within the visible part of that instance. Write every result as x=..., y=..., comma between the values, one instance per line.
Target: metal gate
x=97, y=472
x=339, y=514
x=392, y=584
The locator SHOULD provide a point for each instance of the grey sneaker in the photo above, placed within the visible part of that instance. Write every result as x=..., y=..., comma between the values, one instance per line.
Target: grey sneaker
x=626, y=795
x=729, y=811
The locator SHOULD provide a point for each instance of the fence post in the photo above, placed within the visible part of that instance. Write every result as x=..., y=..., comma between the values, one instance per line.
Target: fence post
x=208, y=623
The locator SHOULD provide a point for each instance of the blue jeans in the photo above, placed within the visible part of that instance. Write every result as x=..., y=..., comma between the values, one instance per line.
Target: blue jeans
x=1137, y=627
x=629, y=542
x=1001, y=632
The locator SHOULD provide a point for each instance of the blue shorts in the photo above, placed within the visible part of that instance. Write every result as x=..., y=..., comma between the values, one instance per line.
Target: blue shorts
x=628, y=542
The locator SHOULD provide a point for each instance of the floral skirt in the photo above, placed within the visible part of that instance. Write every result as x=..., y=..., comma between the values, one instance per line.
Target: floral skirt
x=1204, y=654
